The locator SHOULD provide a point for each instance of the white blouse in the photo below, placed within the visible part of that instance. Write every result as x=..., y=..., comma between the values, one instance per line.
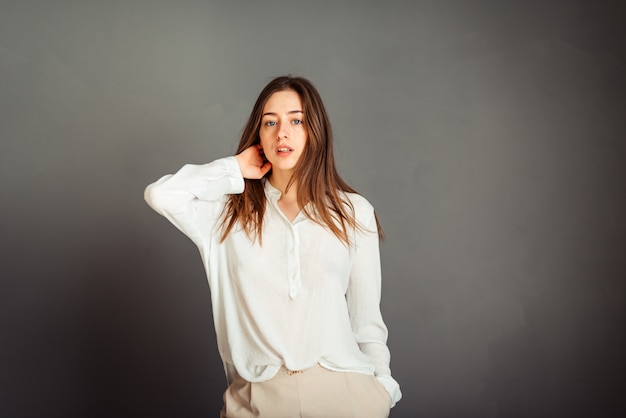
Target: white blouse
x=302, y=297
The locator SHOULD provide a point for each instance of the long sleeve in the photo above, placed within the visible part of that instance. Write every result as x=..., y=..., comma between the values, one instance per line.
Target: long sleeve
x=193, y=189
x=363, y=298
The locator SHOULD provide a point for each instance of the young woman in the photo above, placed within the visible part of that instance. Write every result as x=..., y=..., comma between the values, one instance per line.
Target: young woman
x=291, y=256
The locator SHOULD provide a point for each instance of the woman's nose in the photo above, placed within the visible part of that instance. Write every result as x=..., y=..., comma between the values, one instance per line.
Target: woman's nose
x=282, y=131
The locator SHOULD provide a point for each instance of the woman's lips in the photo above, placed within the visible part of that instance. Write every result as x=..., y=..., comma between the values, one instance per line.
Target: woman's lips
x=284, y=150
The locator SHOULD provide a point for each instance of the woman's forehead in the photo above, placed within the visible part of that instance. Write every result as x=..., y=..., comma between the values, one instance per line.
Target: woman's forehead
x=284, y=101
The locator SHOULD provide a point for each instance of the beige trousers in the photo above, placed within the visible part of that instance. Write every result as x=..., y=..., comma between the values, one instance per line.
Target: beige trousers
x=312, y=393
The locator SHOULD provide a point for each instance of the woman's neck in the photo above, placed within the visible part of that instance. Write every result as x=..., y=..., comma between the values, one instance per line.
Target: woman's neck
x=280, y=180
x=288, y=202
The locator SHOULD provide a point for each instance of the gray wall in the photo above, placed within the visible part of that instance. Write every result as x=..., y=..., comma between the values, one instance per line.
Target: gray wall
x=490, y=136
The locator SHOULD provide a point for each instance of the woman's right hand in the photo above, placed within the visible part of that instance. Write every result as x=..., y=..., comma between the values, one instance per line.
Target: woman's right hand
x=252, y=163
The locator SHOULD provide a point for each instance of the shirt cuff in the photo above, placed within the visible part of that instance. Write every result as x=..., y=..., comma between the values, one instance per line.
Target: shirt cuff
x=392, y=387
x=234, y=175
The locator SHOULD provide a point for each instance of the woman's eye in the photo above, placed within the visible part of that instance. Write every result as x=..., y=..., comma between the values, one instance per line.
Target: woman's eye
x=297, y=121
x=270, y=123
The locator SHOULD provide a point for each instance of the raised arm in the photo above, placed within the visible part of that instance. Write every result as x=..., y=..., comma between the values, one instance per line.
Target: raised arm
x=195, y=189
x=195, y=194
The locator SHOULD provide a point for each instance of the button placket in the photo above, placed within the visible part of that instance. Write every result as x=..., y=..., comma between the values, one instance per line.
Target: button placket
x=293, y=244
x=295, y=282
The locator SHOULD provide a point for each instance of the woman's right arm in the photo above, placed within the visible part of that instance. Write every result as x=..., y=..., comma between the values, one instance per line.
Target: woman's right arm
x=202, y=188
x=179, y=196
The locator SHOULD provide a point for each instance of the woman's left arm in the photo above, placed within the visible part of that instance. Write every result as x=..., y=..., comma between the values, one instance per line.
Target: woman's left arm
x=363, y=298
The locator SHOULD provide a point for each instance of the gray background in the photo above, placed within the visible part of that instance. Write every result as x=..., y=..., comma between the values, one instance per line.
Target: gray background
x=490, y=136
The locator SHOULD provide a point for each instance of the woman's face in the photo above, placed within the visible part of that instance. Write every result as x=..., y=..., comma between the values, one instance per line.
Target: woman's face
x=283, y=134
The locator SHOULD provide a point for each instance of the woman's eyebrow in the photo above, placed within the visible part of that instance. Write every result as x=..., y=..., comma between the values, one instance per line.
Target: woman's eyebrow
x=275, y=114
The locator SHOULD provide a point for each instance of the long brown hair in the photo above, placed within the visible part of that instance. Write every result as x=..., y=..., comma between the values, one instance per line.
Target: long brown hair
x=319, y=184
